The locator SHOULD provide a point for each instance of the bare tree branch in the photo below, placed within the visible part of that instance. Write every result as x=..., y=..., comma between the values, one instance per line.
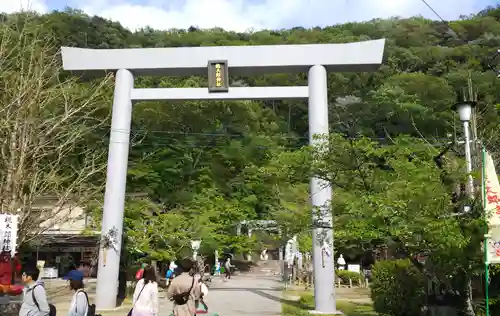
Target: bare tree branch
x=47, y=123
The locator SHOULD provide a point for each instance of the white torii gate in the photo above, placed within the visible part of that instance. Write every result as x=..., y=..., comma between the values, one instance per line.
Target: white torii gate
x=262, y=225
x=218, y=62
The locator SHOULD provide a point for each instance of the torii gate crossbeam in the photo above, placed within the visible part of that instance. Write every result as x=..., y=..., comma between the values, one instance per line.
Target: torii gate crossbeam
x=316, y=59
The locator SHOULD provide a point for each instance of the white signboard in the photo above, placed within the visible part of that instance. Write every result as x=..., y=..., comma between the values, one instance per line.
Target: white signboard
x=8, y=233
x=354, y=268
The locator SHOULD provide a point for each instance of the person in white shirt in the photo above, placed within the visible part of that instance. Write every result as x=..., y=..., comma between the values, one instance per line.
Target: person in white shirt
x=172, y=265
x=79, y=303
x=145, y=300
x=341, y=262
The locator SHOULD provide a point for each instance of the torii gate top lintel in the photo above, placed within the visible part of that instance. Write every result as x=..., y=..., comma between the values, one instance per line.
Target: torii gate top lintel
x=242, y=60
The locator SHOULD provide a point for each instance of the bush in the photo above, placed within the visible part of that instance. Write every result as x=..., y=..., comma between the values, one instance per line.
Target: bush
x=397, y=288
x=345, y=275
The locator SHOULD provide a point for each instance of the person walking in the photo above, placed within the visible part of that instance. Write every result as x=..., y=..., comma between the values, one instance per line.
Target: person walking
x=185, y=290
x=170, y=272
x=35, y=298
x=217, y=268
x=79, y=305
x=227, y=268
x=145, y=301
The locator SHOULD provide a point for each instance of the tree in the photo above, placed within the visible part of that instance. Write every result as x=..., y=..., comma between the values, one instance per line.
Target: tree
x=394, y=195
x=48, y=127
x=165, y=234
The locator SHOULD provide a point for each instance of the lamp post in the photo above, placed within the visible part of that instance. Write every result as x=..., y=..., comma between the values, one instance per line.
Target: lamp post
x=195, y=246
x=465, y=113
x=464, y=110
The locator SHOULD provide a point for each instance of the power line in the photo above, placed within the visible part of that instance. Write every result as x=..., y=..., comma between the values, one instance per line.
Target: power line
x=492, y=59
x=446, y=22
x=164, y=142
x=458, y=37
x=437, y=14
x=229, y=135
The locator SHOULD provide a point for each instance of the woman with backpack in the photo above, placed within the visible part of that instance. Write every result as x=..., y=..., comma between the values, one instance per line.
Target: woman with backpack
x=184, y=290
x=145, y=300
x=79, y=305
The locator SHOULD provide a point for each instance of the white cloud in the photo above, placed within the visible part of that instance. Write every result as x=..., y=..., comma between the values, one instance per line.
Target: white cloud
x=10, y=6
x=241, y=15
x=230, y=14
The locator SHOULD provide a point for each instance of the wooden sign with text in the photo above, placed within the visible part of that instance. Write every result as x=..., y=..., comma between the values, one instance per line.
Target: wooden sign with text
x=218, y=76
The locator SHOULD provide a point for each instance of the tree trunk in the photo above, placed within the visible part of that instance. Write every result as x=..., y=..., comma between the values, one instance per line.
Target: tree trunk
x=466, y=307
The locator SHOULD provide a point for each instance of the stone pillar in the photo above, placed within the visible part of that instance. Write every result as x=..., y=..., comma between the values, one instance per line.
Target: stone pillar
x=321, y=194
x=249, y=255
x=114, y=197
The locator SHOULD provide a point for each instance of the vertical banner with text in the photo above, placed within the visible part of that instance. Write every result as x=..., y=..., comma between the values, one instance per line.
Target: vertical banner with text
x=8, y=233
x=492, y=209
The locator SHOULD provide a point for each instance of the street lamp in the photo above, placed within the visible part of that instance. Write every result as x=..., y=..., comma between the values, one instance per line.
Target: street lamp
x=195, y=246
x=464, y=110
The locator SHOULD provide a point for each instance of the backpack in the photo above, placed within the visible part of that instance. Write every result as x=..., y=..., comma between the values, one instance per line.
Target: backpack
x=139, y=274
x=91, y=309
x=52, y=308
x=183, y=298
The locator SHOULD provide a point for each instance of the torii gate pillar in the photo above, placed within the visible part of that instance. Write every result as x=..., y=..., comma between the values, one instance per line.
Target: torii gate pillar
x=316, y=59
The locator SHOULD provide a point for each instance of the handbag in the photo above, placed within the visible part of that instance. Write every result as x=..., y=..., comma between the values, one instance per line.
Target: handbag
x=183, y=298
x=130, y=311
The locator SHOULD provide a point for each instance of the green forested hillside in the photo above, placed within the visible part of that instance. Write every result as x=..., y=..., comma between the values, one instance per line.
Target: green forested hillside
x=427, y=63
x=202, y=166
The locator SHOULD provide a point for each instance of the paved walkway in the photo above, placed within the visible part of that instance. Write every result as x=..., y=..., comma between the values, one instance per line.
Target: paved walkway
x=251, y=293
x=246, y=294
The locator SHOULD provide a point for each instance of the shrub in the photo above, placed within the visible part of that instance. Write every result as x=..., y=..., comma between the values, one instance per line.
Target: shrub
x=345, y=275
x=397, y=288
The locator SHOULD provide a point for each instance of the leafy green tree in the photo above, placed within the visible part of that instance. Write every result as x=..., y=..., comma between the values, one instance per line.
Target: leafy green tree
x=394, y=195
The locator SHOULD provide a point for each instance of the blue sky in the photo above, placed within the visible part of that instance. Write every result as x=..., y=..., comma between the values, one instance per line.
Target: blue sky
x=241, y=15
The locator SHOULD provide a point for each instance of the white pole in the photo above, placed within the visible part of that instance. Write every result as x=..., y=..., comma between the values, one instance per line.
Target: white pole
x=114, y=196
x=468, y=159
x=321, y=195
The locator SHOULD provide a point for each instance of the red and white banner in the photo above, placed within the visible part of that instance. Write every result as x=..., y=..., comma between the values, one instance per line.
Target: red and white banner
x=492, y=208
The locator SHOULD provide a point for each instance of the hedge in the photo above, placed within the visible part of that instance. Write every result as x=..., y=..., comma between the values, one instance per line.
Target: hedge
x=397, y=288
x=345, y=275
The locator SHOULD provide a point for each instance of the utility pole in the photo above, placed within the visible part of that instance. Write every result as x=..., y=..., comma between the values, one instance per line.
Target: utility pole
x=465, y=108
